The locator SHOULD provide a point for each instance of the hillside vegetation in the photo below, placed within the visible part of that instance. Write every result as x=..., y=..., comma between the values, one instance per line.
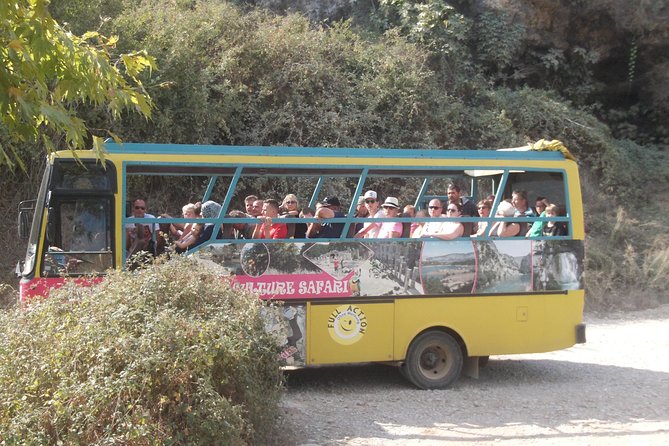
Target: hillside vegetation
x=429, y=74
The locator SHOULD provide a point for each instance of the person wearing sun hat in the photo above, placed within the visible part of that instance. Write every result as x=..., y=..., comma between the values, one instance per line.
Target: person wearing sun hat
x=391, y=209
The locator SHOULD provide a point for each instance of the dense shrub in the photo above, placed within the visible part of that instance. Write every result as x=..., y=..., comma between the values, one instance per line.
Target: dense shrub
x=167, y=355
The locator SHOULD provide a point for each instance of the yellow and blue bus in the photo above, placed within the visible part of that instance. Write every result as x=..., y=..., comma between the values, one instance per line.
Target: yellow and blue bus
x=433, y=307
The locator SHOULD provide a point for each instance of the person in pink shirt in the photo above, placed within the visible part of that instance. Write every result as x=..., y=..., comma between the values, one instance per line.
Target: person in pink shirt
x=391, y=209
x=266, y=229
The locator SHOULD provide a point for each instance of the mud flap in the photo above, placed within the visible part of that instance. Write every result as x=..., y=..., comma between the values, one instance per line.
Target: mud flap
x=471, y=367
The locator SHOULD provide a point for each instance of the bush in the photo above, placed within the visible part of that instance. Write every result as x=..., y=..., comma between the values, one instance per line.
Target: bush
x=167, y=355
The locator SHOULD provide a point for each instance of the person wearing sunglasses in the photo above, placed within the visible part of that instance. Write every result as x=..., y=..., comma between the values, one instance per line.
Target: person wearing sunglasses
x=448, y=230
x=371, y=230
x=483, y=208
x=139, y=236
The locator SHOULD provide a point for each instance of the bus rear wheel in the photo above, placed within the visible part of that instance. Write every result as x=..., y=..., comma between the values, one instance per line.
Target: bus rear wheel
x=434, y=360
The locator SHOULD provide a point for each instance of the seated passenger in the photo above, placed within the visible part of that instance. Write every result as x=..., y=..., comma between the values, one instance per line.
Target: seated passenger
x=408, y=212
x=201, y=233
x=416, y=230
x=237, y=230
x=555, y=228
x=371, y=230
x=290, y=206
x=301, y=228
x=329, y=209
x=538, y=226
x=266, y=229
x=483, y=208
x=501, y=228
x=391, y=209
x=448, y=230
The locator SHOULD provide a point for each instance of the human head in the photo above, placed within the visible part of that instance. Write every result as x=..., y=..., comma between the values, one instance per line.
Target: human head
x=434, y=207
x=188, y=211
x=519, y=200
x=391, y=206
x=270, y=208
x=453, y=209
x=256, y=210
x=484, y=207
x=331, y=202
x=238, y=214
x=290, y=202
x=453, y=193
x=307, y=213
x=138, y=208
x=540, y=204
x=371, y=202
x=248, y=203
x=210, y=209
x=409, y=210
x=552, y=210
x=505, y=209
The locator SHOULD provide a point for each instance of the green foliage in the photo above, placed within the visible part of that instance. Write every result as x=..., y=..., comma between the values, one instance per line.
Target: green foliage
x=498, y=42
x=47, y=71
x=167, y=355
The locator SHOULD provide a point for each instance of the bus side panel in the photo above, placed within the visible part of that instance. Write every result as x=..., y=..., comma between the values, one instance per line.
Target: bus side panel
x=339, y=333
x=493, y=325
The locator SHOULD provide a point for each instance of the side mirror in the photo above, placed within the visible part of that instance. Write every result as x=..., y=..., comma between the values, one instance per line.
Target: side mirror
x=51, y=226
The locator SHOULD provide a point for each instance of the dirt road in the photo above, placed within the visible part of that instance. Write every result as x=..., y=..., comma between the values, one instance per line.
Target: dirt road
x=613, y=390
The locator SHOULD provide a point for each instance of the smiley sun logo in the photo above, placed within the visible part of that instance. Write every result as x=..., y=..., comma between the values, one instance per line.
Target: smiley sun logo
x=347, y=324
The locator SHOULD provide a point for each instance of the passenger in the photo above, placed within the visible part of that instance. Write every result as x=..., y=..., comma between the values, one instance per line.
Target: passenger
x=301, y=228
x=256, y=209
x=555, y=228
x=360, y=212
x=434, y=209
x=540, y=205
x=408, y=212
x=201, y=232
x=248, y=205
x=537, y=227
x=139, y=236
x=519, y=201
x=391, y=209
x=266, y=229
x=501, y=228
x=330, y=208
x=290, y=206
x=417, y=227
x=164, y=237
x=181, y=230
x=448, y=230
x=238, y=230
x=484, y=207
x=466, y=205
x=371, y=230
x=290, y=209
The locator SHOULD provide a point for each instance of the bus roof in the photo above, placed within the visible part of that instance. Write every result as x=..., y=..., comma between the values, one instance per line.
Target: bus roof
x=317, y=152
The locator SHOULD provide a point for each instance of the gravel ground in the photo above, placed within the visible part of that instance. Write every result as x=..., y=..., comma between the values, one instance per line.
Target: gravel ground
x=613, y=390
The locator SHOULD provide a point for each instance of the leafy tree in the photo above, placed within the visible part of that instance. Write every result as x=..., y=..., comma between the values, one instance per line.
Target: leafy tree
x=46, y=72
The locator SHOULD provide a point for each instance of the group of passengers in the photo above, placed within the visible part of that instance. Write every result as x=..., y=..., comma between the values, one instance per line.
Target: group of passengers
x=271, y=217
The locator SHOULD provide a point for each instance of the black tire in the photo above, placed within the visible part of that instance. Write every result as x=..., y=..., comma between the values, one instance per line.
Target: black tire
x=434, y=360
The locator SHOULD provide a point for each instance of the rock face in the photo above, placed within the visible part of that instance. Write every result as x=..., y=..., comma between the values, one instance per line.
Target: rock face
x=631, y=38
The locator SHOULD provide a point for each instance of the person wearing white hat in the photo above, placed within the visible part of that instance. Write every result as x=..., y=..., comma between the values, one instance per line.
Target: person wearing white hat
x=391, y=209
x=371, y=230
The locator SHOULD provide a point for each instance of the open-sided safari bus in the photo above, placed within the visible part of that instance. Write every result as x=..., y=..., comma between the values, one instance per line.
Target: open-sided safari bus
x=431, y=306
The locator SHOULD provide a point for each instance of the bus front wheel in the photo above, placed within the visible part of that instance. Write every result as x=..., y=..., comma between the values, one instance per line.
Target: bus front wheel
x=434, y=360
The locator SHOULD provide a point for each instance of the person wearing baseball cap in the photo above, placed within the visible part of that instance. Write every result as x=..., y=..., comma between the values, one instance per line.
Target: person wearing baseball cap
x=371, y=230
x=329, y=209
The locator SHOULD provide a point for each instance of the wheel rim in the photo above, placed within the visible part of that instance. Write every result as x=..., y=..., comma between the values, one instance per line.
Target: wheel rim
x=434, y=362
